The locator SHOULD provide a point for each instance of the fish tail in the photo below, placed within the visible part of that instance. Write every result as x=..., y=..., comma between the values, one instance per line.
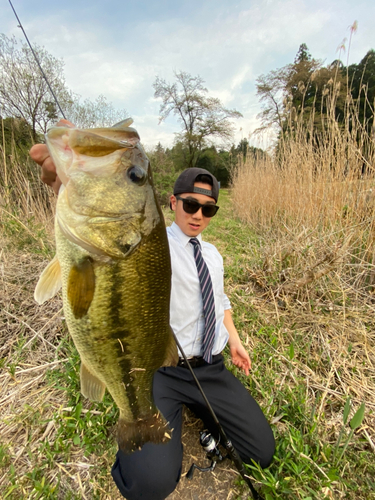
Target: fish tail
x=131, y=436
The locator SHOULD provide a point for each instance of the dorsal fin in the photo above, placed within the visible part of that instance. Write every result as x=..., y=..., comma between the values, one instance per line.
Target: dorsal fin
x=123, y=123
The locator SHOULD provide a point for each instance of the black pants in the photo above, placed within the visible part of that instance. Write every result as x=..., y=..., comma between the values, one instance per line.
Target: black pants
x=153, y=472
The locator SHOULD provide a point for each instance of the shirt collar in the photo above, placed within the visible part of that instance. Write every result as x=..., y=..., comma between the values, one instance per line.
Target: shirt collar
x=184, y=238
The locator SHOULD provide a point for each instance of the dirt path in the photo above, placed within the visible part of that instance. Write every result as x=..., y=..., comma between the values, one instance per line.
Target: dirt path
x=216, y=485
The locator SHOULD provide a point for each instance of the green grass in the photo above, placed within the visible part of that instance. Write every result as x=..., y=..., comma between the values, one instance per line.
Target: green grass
x=318, y=453
x=307, y=463
x=79, y=425
x=24, y=234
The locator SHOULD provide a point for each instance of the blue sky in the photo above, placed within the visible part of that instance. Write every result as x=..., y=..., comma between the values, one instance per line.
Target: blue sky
x=116, y=48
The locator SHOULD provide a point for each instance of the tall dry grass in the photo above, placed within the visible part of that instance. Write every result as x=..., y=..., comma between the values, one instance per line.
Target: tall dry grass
x=318, y=188
x=26, y=204
x=312, y=204
x=319, y=179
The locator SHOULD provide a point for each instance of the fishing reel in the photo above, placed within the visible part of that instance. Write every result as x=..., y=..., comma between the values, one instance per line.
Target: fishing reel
x=211, y=447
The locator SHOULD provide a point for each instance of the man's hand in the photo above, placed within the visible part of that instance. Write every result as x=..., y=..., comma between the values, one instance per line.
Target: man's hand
x=239, y=354
x=240, y=357
x=40, y=154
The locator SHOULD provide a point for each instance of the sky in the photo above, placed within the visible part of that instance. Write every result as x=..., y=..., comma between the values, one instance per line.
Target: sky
x=117, y=48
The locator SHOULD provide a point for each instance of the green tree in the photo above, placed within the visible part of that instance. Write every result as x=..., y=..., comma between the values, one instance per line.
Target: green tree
x=17, y=137
x=304, y=89
x=203, y=118
x=303, y=54
x=244, y=150
x=164, y=172
x=218, y=163
x=300, y=85
x=362, y=86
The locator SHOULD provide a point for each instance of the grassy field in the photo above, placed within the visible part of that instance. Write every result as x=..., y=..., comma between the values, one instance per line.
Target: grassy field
x=306, y=287
x=54, y=443
x=297, y=233
x=313, y=367
x=312, y=345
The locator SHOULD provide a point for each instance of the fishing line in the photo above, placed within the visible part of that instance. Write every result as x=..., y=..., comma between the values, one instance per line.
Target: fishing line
x=37, y=60
x=225, y=442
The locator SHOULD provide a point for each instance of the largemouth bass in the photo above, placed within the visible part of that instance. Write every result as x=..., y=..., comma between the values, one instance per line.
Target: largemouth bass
x=112, y=261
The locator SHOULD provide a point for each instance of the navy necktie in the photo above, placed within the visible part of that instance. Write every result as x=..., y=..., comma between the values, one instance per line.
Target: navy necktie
x=208, y=301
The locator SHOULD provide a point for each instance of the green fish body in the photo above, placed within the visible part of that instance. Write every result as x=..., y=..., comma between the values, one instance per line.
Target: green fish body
x=112, y=262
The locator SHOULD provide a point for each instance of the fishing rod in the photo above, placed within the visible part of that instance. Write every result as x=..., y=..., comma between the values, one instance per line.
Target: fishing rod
x=37, y=60
x=225, y=441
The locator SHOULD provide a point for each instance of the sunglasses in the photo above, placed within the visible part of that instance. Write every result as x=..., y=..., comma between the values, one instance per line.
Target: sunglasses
x=192, y=207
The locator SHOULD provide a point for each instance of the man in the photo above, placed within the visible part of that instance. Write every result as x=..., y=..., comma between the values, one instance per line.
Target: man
x=201, y=318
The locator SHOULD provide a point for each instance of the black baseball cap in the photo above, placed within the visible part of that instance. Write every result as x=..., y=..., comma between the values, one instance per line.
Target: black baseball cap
x=185, y=183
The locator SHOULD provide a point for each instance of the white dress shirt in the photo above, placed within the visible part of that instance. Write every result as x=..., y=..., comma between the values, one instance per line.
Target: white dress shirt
x=186, y=307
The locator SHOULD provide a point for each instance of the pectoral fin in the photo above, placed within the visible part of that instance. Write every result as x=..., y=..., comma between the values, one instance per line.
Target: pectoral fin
x=49, y=282
x=81, y=287
x=91, y=386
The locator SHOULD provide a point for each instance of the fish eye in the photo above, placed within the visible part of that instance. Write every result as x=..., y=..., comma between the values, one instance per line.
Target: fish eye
x=137, y=175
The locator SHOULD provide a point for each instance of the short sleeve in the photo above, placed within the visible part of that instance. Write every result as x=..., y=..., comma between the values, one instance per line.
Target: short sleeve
x=226, y=302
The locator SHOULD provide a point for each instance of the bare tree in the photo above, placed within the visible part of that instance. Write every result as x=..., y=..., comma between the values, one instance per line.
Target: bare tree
x=23, y=90
x=271, y=90
x=98, y=113
x=202, y=117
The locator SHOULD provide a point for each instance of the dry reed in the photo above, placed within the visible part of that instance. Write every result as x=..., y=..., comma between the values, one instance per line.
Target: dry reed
x=312, y=204
x=23, y=198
